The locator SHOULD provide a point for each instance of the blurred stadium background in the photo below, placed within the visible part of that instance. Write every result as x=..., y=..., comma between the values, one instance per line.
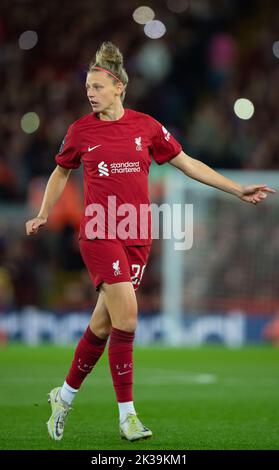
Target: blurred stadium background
x=189, y=62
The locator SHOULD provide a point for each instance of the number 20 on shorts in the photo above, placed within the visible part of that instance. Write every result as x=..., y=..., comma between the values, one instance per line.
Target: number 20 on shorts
x=137, y=273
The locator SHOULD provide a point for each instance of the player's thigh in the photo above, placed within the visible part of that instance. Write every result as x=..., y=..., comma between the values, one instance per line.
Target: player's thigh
x=121, y=302
x=100, y=322
x=106, y=261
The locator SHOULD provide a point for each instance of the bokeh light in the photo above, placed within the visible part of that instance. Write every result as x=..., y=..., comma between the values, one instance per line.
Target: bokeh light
x=275, y=49
x=154, y=29
x=244, y=108
x=30, y=122
x=28, y=40
x=154, y=60
x=143, y=14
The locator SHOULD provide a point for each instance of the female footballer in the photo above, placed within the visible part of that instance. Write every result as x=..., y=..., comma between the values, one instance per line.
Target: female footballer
x=116, y=146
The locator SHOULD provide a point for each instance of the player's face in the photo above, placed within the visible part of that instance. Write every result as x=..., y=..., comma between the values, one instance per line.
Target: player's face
x=101, y=91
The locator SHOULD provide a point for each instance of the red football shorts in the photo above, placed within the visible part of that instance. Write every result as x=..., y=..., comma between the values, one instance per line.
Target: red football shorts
x=110, y=261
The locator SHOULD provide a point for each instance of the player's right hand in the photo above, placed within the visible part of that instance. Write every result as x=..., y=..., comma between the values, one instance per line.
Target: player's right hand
x=33, y=225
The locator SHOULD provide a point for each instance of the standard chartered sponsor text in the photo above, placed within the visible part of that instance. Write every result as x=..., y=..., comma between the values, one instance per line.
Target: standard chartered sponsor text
x=125, y=167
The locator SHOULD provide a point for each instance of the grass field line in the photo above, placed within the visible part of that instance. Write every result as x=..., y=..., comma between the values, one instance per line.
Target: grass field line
x=154, y=377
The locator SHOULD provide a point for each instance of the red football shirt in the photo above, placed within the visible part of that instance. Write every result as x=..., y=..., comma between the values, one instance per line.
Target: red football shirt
x=116, y=157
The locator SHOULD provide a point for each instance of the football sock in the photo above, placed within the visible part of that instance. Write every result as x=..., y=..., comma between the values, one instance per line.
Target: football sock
x=125, y=408
x=88, y=351
x=121, y=364
x=67, y=393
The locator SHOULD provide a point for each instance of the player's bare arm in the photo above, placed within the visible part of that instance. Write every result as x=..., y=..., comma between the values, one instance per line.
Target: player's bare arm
x=197, y=170
x=53, y=191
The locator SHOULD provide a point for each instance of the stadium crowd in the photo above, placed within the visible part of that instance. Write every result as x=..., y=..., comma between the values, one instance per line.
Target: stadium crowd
x=213, y=52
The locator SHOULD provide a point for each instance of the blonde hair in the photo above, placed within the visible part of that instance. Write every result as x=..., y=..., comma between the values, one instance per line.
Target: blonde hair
x=109, y=57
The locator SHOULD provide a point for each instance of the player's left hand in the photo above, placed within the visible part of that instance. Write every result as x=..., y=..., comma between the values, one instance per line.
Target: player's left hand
x=255, y=193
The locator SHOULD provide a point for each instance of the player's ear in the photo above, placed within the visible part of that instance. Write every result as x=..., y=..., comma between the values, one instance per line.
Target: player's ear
x=120, y=88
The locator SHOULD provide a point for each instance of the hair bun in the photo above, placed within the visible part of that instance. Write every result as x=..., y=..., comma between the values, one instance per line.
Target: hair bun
x=108, y=52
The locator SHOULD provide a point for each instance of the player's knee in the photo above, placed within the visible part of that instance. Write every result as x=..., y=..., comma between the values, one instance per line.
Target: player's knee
x=102, y=331
x=130, y=320
x=128, y=324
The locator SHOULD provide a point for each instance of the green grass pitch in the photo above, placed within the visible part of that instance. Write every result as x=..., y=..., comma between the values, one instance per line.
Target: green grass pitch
x=207, y=398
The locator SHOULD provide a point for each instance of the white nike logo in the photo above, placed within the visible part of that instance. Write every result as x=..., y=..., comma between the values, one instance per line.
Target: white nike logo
x=122, y=373
x=92, y=148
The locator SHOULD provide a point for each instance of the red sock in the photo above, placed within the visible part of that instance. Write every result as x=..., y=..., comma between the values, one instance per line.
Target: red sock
x=88, y=351
x=121, y=363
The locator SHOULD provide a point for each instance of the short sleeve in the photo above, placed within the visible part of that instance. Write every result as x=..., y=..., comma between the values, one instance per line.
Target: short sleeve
x=68, y=155
x=164, y=146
